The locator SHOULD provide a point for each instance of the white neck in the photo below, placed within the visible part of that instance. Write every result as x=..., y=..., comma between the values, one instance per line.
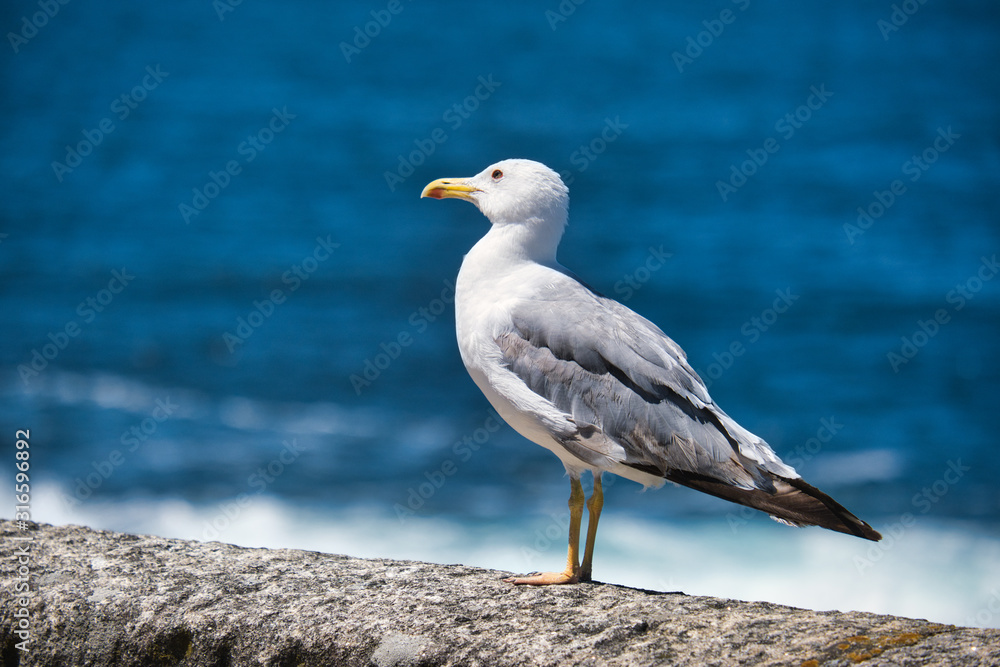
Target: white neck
x=531, y=241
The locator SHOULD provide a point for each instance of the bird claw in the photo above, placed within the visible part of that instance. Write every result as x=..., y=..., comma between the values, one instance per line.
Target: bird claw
x=545, y=579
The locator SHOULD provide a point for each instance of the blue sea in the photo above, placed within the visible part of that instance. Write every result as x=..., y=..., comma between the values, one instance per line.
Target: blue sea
x=227, y=315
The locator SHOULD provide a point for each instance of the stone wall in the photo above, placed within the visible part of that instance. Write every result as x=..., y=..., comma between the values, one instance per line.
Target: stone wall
x=102, y=598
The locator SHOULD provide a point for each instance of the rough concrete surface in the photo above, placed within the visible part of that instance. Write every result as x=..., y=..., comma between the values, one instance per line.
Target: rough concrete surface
x=103, y=598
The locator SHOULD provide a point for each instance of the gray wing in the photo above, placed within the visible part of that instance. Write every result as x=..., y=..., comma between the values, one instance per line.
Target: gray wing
x=621, y=379
x=618, y=375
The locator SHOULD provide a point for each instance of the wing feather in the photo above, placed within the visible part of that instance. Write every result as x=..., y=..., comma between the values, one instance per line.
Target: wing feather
x=609, y=368
x=631, y=397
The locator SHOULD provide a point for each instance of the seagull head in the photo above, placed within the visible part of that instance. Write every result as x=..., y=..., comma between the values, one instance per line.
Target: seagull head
x=511, y=192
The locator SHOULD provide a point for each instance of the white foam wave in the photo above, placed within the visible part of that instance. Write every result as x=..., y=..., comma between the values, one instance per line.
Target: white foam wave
x=114, y=392
x=870, y=465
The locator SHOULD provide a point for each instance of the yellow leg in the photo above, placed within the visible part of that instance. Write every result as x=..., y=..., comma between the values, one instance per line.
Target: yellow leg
x=594, y=505
x=571, y=574
x=575, y=517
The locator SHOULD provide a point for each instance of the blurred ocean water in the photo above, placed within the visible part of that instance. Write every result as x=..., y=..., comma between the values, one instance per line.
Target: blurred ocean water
x=229, y=316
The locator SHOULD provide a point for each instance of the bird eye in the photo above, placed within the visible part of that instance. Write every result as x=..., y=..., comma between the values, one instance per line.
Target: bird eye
x=497, y=174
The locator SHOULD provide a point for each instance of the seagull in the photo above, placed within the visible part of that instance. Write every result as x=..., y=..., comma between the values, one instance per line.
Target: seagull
x=598, y=385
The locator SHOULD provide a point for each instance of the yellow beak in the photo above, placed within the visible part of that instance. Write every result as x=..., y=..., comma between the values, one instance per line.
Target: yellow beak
x=445, y=188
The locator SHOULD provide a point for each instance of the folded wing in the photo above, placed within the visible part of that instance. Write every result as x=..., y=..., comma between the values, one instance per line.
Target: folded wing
x=635, y=400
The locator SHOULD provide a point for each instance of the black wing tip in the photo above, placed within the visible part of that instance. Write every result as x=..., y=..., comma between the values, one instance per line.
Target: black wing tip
x=838, y=518
x=857, y=528
x=792, y=501
x=872, y=534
